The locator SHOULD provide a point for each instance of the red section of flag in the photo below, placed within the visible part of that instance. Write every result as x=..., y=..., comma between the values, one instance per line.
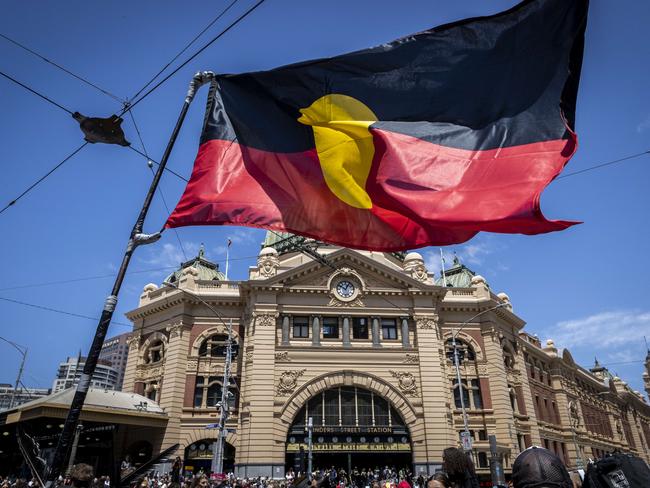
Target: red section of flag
x=423, y=194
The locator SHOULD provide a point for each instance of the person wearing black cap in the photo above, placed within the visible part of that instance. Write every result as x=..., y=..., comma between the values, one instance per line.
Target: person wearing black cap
x=537, y=467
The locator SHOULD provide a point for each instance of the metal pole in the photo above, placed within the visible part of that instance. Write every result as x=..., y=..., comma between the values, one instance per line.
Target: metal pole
x=310, y=430
x=23, y=351
x=135, y=239
x=218, y=451
x=73, y=450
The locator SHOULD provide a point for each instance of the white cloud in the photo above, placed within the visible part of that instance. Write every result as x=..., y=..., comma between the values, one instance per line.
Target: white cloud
x=603, y=330
x=243, y=236
x=473, y=253
x=169, y=255
x=644, y=125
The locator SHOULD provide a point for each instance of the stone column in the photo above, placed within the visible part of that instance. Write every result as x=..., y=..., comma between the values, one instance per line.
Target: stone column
x=285, y=330
x=437, y=430
x=498, y=382
x=405, y=332
x=260, y=453
x=376, y=341
x=315, y=331
x=173, y=389
x=129, y=383
x=346, y=332
x=527, y=398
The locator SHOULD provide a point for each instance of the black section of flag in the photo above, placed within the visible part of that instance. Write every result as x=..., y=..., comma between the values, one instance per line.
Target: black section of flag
x=480, y=83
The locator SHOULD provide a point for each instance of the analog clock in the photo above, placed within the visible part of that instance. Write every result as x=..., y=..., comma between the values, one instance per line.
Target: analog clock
x=345, y=289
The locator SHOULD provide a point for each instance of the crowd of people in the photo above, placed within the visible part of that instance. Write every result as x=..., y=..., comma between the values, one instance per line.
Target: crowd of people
x=535, y=467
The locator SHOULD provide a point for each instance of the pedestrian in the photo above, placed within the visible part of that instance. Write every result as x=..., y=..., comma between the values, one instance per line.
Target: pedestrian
x=438, y=480
x=81, y=475
x=537, y=467
x=459, y=469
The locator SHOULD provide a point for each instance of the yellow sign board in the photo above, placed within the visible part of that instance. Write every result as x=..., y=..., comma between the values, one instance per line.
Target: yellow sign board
x=352, y=447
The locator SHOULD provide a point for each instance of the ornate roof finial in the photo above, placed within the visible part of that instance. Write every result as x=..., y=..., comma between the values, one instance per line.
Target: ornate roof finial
x=201, y=251
x=596, y=363
x=456, y=260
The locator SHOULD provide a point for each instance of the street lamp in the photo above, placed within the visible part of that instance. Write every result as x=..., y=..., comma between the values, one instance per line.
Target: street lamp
x=224, y=405
x=457, y=366
x=23, y=351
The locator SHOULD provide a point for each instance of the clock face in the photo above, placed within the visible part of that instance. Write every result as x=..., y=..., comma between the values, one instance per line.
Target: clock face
x=345, y=289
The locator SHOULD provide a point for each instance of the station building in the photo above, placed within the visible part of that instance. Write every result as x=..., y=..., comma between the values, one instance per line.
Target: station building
x=362, y=345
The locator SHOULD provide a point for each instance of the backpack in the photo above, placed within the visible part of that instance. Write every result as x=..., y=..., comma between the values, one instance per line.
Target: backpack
x=618, y=471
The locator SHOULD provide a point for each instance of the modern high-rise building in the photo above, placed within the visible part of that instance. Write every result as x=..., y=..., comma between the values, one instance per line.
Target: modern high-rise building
x=362, y=343
x=70, y=371
x=115, y=351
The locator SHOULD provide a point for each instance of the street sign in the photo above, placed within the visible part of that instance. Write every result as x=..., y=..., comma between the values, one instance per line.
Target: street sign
x=212, y=426
x=466, y=440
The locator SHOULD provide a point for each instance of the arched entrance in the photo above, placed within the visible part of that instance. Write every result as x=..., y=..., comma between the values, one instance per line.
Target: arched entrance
x=353, y=428
x=198, y=456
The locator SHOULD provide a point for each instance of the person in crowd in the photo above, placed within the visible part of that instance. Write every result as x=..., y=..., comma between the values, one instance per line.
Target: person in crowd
x=459, y=468
x=81, y=475
x=439, y=480
x=537, y=467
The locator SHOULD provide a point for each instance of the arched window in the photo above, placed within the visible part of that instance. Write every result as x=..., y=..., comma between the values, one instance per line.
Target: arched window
x=214, y=346
x=155, y=352
x=207, y=392
x=471, y=392
x=465, y=351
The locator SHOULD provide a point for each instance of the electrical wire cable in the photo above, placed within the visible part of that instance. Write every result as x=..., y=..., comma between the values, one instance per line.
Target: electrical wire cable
x=63, y=312
x=38, y=94
x=153, y=173
x=42, y=178
x=157, y=163
x=188, y=60
x=187, y=46
x=601, y=165
x=65, y=70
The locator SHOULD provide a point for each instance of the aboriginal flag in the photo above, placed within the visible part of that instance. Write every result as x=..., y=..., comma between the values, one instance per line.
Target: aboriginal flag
x=426, y=140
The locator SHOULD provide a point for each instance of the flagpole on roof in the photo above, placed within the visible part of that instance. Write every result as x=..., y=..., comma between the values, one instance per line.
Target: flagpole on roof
x=136, y=239
x=227, y=257
x=442, y=267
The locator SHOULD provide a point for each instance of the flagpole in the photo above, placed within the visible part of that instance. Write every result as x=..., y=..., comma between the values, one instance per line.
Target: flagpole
x=227, y=257
x=442, y=266
x=136, y=239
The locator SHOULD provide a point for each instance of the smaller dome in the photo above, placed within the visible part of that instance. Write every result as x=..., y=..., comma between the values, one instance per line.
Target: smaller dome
x=646, y=375
x=149, y=287
x=503, y=297
x=202, y=269
x=268, y=251
x=413, y=256
x=550, y=343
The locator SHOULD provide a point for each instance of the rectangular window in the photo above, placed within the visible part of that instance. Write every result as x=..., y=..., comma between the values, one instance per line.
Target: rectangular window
x=483, y=460
x=476, y=394
x=359, y=328
x=330, y=327
x=388, y=329
x=300, y=327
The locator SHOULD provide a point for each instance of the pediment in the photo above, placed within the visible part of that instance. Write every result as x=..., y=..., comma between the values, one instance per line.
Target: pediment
x=374, y=274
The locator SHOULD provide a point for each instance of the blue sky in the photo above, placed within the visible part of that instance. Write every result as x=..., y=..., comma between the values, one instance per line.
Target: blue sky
x=584, y=287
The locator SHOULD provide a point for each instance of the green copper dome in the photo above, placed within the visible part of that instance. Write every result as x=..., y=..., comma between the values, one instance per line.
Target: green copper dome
x=208, y=271
x=458, y=276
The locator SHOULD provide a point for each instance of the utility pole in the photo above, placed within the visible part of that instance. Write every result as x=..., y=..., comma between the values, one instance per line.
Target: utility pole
x=310, y=430
x=218, y=447
x=23, y=351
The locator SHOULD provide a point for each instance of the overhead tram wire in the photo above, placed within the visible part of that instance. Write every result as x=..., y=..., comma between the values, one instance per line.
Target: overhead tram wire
x=601, y=165
x=153, y=173
x=63, y=312
x=42, y=178
x=65, y=70
x=157, y=163
x=187, y=46
x=38, y=94
x=188, y=60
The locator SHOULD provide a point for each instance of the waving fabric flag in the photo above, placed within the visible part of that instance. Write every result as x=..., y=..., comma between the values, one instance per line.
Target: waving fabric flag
x=426, y=140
